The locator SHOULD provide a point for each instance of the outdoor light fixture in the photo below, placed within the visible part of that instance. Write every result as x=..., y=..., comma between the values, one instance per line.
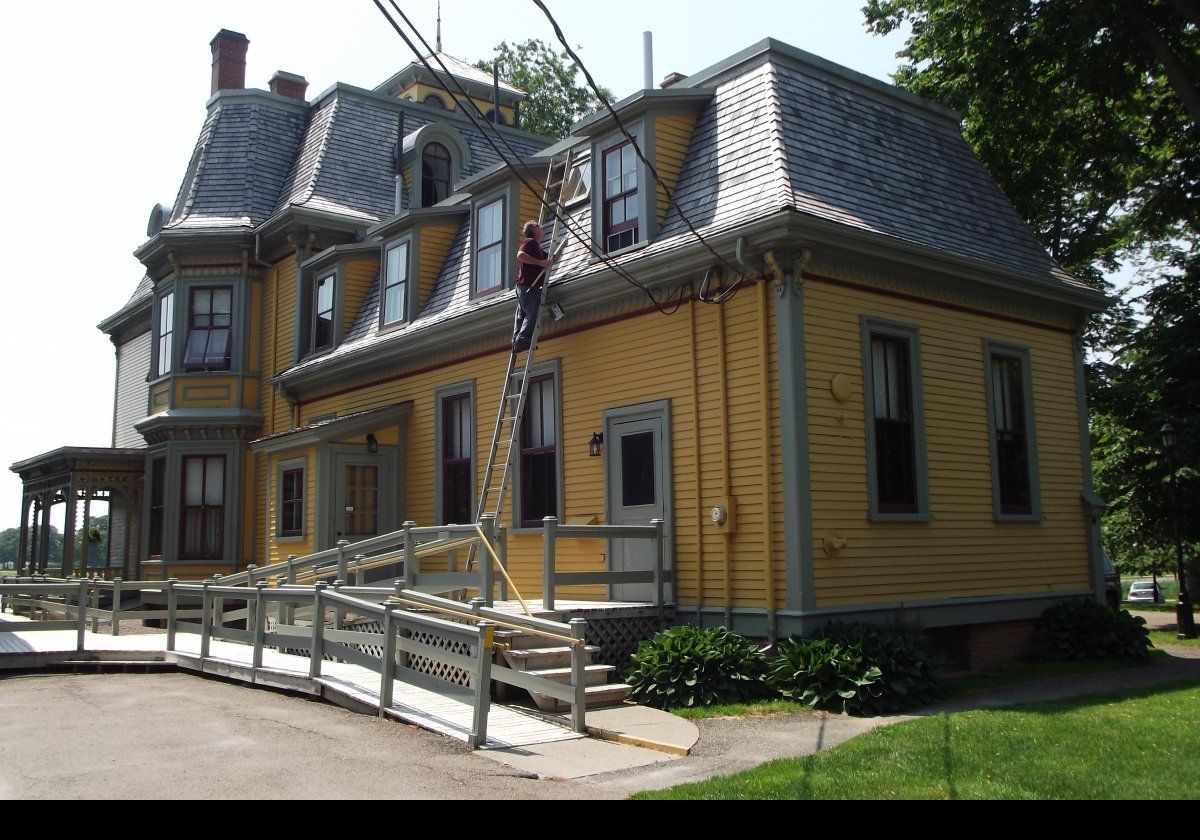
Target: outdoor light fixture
x=596, y=445
x=372, y=444
x=556, y=312
x=1185, y=623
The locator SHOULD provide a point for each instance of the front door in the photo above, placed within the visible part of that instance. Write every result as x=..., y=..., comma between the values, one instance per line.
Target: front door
x=359, y=511
x=638, y=489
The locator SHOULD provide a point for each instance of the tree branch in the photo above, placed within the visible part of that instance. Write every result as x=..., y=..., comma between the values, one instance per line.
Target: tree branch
x=1177, y=74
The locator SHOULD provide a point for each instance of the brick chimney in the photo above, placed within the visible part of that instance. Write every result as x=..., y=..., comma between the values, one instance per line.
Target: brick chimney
x=229, y=60
x=671, y=79
x=289, y=85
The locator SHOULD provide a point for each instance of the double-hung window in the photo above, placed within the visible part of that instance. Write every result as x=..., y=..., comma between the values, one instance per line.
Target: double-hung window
x=210, y=320
x=539, y=452
x=322, y=312
x=1010, y=423
x=202, y=518
x=166, y=332
x=435, y=174
x=897, y=483
x=395, y=284
x=489, y=247
x=620, y=204
x=457, y=433
x=291, y=502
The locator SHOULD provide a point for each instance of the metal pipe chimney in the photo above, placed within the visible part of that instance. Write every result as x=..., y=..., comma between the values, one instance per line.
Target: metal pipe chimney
x=648, y=60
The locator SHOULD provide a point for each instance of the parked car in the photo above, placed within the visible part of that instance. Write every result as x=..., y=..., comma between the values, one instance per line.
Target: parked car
x=1112, y=582
x=1144, y=592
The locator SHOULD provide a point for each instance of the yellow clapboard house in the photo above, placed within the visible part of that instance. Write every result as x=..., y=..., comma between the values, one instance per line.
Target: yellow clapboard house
x=849, y=381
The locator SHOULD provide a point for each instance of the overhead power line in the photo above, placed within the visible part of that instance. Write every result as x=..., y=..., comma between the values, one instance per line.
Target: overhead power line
x=466, y=106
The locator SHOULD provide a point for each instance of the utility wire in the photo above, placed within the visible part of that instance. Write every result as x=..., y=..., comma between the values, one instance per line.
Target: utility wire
x=467, y=107
x=562, y=39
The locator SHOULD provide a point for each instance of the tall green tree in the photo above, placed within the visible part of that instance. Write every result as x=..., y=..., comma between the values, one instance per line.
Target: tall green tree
x=1087, y=112
x=556, y=98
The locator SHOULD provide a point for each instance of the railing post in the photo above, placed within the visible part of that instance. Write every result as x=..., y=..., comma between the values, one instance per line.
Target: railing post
x=317, y=647
x=502, y=550
x=260, y=623
x=387, y=674
x=342, y=563
x=289, y=609
x=579, y=656
x=412, y=563
x=487, y=569
x=483, y=683
x=94, y=603
x=172, y=612
x=659, y=565
x=359, y=560
x=549, y=535
x=218, y=605
x=339, y=612
x=250, y=569
x=116, y=607
x=81, y=627
x=207, y=609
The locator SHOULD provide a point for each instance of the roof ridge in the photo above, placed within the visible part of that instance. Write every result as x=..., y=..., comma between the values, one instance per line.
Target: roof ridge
x=251, y=170
x=319, y=162
x=778, y=151
x=192, y=177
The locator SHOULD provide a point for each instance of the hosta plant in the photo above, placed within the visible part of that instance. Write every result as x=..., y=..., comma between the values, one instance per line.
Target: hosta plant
x=688, y=666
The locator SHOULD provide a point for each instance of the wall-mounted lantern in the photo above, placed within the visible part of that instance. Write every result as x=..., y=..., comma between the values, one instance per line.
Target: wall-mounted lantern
x=372, y=445
x=596, y=445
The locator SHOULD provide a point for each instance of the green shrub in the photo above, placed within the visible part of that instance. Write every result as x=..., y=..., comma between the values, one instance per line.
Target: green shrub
x=687, y=666
x=1084, y=629
x=859, y=669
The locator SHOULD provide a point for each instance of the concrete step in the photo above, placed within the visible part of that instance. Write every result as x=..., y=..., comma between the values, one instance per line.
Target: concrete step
x=596, y=696
x=593, y=674
x=529, y=659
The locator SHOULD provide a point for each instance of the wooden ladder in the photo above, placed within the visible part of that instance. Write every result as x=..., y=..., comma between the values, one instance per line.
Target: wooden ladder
x=507, y=431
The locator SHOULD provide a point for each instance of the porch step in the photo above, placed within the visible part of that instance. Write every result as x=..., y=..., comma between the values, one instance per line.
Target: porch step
x=593, y=674
x=529, y=659
x=596, y=696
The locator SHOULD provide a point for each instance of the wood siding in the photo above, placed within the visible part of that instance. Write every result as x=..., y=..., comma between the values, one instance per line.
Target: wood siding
x=434, y=245
x=963, y=552
x=133, y=391
x=672, y=134
x=359, y=275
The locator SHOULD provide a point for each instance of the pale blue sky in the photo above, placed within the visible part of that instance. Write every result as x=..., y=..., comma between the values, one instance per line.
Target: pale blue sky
x=104, y=100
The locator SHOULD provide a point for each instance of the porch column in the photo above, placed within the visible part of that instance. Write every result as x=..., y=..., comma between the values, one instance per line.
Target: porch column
x=128, y=497
x=86, y=546
x=23, y=544
x=43, y=558
x=68, y=551
x=788, y=270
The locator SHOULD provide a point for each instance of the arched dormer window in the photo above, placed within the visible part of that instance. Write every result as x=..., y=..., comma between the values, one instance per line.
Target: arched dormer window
x=435, y=101
x=435, y=174
x=493, y=116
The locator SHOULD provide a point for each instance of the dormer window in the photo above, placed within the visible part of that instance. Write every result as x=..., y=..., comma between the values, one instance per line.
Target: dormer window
x=395, y=284
x=621, y=203
x=322, y=306
x=489, y=247
x=435, y=174
x=493, y=116
x=435, y=101
x=578, y=184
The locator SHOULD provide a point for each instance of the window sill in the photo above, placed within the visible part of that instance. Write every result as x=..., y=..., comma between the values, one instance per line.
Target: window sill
x=1035, y=517
x=876, y=516
x=637, y=246
x=295, y=538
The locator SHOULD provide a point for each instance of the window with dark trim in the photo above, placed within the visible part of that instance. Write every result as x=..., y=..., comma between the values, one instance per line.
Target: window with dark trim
x=489, y=247
x=202, y=514
x=435, y=174
x=621, y=203
x=210, y=318
x=579, y=182
x=434, y=101
x=322, y=309
x=539, y=452
x=894, y=425
x=158, y=504
x=166, y=332
x=291, y=502
x=1010, y=421
x=395, y=284
x=457, y=445
x=494, y=116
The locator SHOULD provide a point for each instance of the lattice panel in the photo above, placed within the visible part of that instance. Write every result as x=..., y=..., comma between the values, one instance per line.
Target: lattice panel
x=421, y=664
x=618, y=638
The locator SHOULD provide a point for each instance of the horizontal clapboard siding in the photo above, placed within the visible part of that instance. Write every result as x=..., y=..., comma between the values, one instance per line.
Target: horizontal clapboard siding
x=133, y=369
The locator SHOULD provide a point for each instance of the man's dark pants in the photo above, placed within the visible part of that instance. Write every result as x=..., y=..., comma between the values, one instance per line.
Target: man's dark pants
x=528, y=302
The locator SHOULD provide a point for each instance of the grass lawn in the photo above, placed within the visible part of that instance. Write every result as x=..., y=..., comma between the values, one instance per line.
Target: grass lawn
x=1127, y=745
x=1167, y=637
x=760, y=709
x=1021, y=672
x=8, y=572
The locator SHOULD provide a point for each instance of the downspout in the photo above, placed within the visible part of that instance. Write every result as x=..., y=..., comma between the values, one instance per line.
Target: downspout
x=696, y=467
x=266, y=510
x=764, y=408
x=726, y=534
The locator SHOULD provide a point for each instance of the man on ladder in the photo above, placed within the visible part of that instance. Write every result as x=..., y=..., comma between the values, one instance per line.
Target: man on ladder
x=532, y=262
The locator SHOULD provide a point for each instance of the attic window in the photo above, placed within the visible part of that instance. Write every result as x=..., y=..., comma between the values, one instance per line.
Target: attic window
x=579, y=182
x=435, y=174
x=435, y=101
x=493, y=116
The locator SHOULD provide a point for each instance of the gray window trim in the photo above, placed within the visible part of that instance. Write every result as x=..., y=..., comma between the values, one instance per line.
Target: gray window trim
x=338, y=273
x=300, y=463
x=912, y=334
x=153, y=375
x=411, y=282
x=643, y=132
x=553, y=366
x=507, y=248
x=414, y=152
x=457, y=389
x=994, y=347
x=237, y=323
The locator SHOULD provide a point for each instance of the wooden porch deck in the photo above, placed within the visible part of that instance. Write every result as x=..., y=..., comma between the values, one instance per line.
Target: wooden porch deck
x=348, y=685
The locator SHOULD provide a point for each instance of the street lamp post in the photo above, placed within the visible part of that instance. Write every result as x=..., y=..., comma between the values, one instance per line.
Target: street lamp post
x=1185, y=623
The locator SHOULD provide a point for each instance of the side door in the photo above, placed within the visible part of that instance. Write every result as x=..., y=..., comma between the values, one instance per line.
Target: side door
x=638, y=489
